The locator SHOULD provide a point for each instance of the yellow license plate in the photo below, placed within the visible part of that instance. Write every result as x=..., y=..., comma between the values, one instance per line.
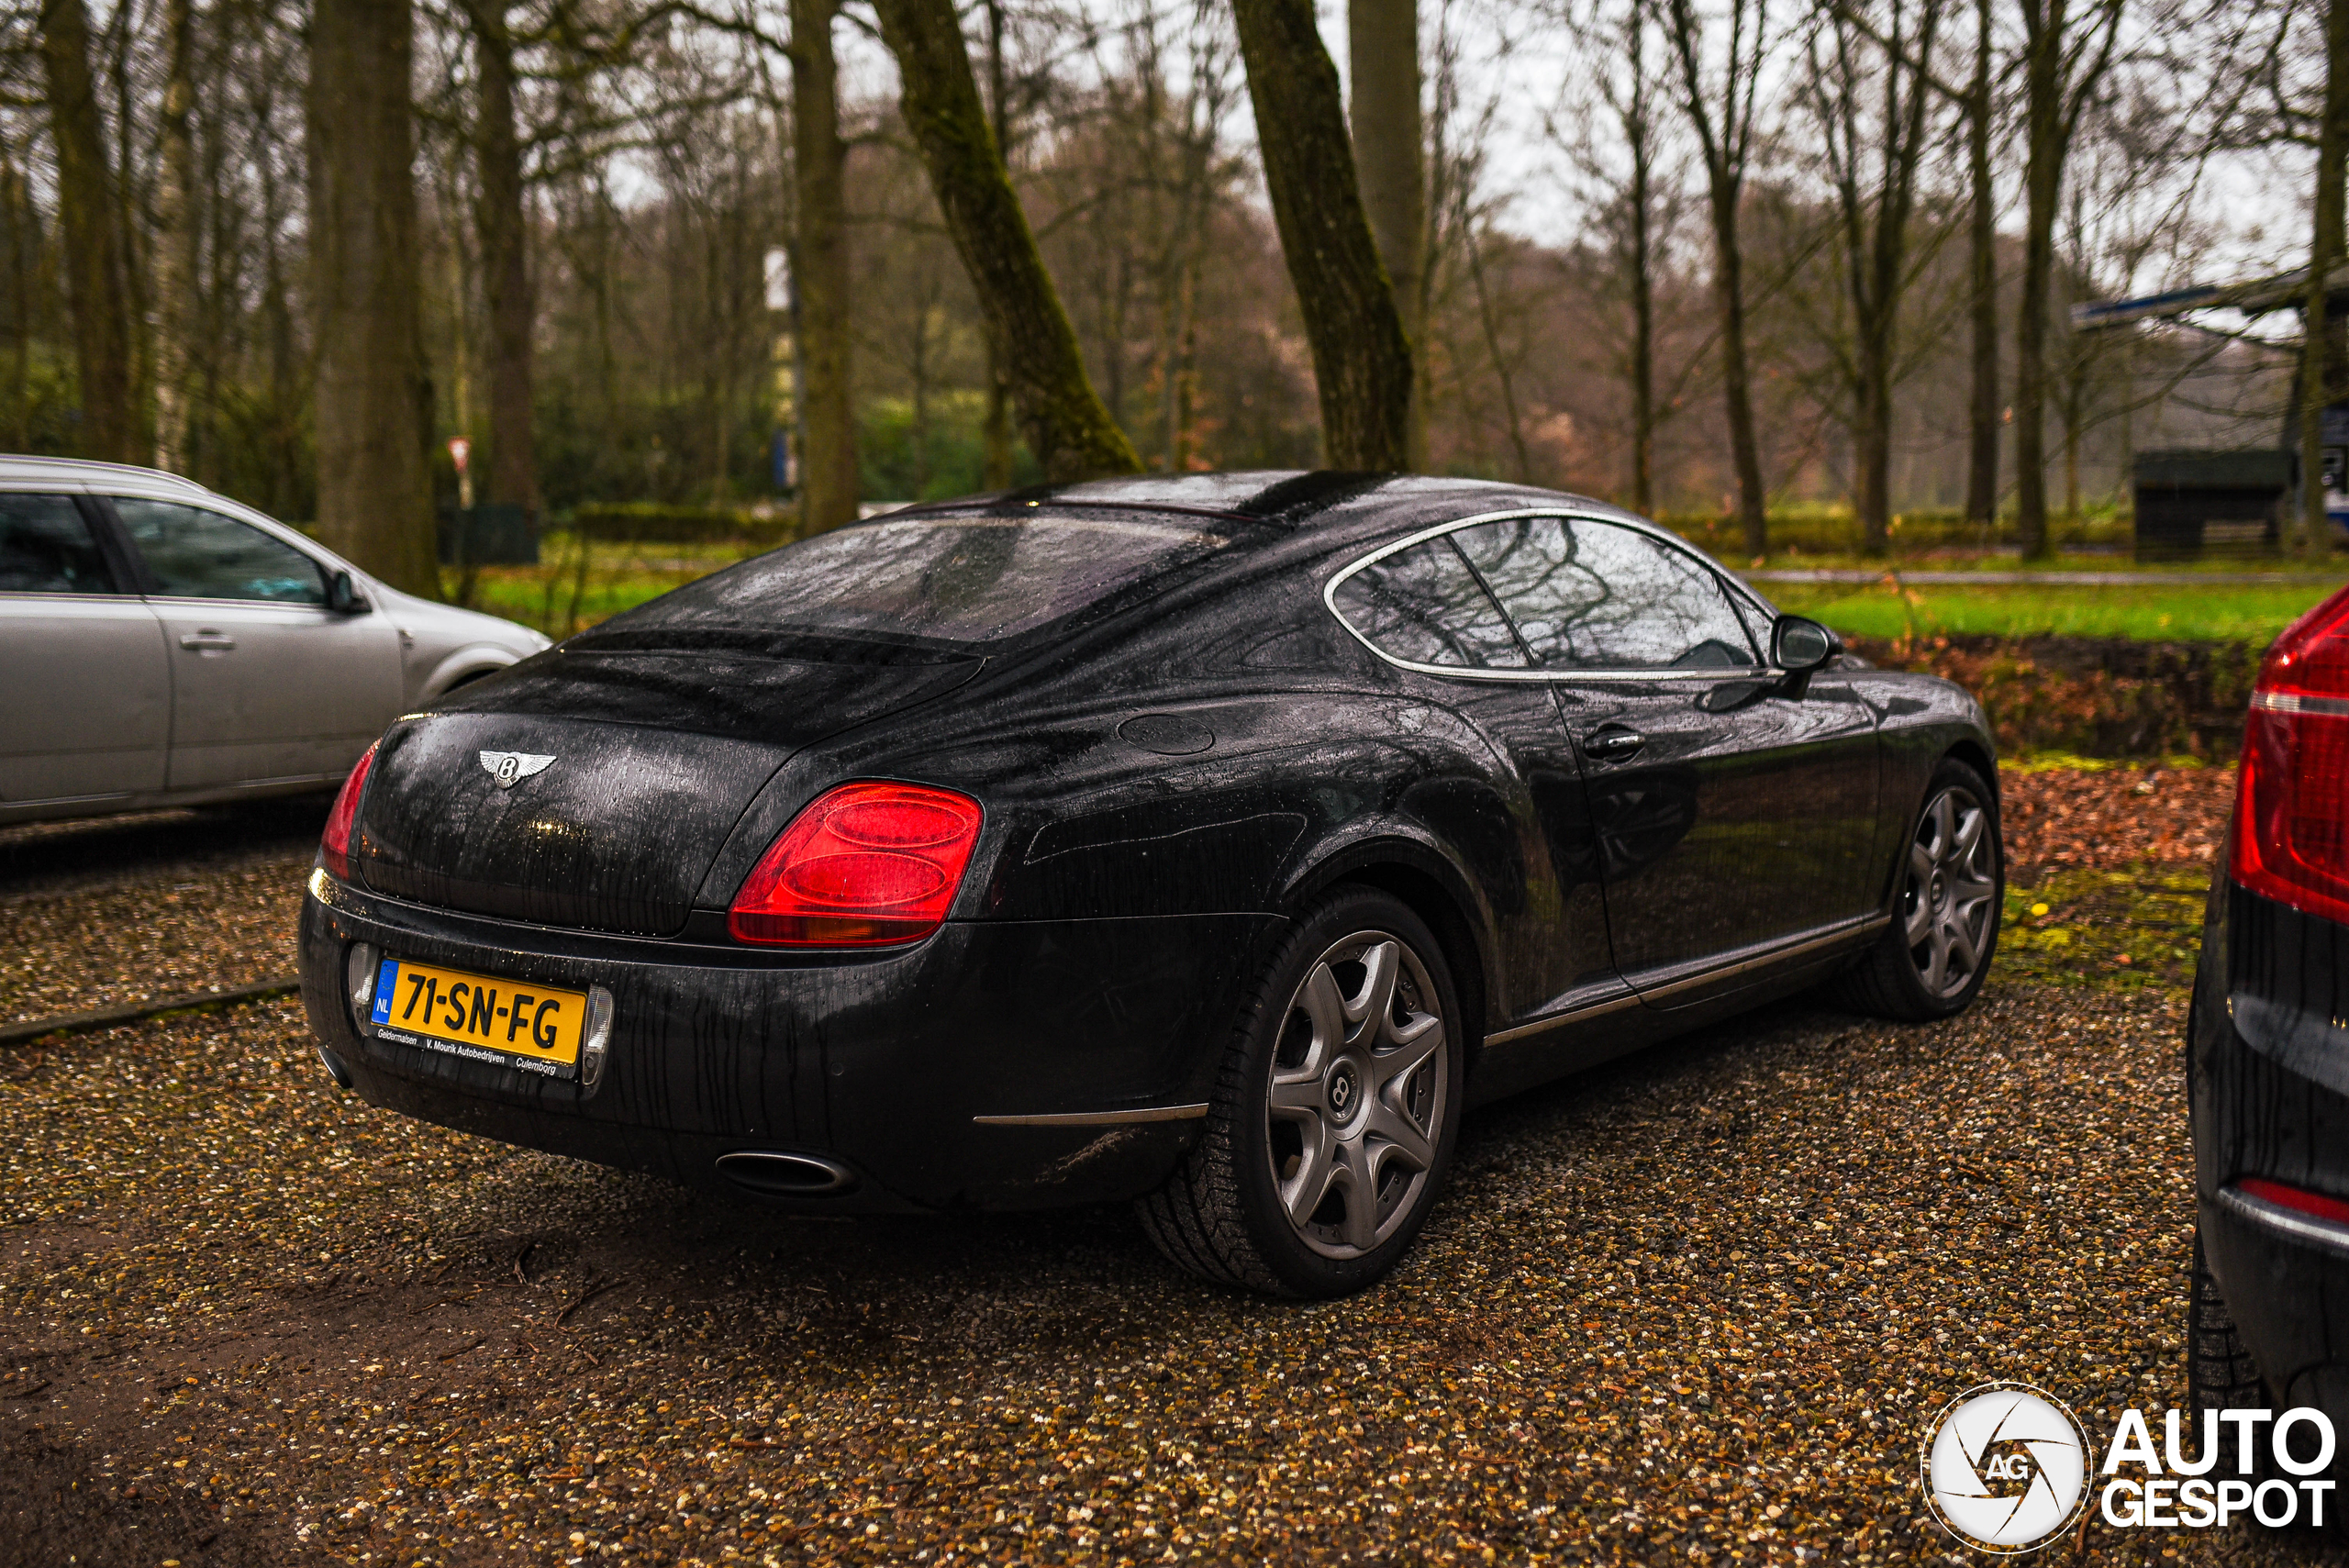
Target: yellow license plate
x=535, y=1027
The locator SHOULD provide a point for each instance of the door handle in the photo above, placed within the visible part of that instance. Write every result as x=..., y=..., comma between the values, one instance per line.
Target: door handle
x=1612, y=744
x=208, y=641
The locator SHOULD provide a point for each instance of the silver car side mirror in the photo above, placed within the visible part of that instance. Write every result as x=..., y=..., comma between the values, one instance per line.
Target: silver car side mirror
x=344, y=598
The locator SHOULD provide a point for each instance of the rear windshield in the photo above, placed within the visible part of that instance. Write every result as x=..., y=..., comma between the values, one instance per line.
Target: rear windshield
x=954, y=579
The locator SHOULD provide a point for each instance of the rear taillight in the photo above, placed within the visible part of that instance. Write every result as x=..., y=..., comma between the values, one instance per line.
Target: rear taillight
x=864, y=865
x=334, y=845
x=2320, y=1205
x=2291, y=835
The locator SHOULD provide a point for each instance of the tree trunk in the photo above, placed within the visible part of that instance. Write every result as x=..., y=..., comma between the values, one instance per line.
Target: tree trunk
x=1066, y=426
x=1737, y=376
x=994, y=434
x=828, y=477
x=2324, y=379
x=374, y=394
x=95, y=278
x=503, y=228
x=2064, y=57
x=20, y=225
x=1643, y=306
x=1362, y=361
x=2042, y=180
x=1725, y=143
x=1383, y=46
x=1982, y=281
x=175, y=242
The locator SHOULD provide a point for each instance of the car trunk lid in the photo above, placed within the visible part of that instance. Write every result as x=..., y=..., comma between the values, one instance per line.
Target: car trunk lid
x=593, y=786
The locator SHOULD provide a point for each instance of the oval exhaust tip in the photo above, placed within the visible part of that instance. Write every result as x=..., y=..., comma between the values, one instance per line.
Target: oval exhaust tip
x=777, y=1175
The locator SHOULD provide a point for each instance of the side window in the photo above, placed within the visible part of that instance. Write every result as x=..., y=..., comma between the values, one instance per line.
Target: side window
x=196, y=554
x=1423, y=606
x=46, y=547
x=1756, y=619
x=1592, y=595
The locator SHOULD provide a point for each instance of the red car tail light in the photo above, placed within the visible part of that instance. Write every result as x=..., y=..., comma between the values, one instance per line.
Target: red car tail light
x=2319, y=1204
x=334, y=845
x=864, y=865
x=2291, y=838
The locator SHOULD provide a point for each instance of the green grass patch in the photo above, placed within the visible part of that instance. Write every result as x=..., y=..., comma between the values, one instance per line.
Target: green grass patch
x=579, y=583
x=2180, y=612
x=2129, y=927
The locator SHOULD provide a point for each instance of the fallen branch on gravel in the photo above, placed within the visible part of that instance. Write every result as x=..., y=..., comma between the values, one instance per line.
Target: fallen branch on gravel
x=590, y=1294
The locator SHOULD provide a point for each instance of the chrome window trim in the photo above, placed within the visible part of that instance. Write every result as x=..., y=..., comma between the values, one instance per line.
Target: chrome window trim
x=1459, y=672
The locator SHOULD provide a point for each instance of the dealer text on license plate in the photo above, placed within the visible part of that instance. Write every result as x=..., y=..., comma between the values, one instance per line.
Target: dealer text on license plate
x=535, y=1027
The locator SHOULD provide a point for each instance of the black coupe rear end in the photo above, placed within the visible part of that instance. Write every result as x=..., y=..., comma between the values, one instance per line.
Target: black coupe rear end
x=1211, y=842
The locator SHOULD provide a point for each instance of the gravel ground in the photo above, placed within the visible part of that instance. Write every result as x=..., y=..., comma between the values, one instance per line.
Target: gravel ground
x=186, y=901
x=1692, y=1308
x=1695, y=1308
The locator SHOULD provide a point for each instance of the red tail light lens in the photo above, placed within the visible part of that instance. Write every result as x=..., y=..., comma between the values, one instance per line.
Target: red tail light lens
x=2291, y=840
x=2301, y=1199
x=864, y=865
x=334, y=846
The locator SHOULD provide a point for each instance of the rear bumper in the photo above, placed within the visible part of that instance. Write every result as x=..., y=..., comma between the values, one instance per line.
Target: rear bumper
x=2268, y=1087
x=878, y=1064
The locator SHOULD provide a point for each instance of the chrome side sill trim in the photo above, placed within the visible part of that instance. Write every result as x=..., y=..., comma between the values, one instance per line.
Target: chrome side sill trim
x=2276, y=1216
x=1097, y=1118
x=1867, y=928
x=1856, y=929
x=1614, y=1004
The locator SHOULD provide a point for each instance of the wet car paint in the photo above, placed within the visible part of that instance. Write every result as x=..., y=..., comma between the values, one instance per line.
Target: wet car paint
x=2267, y=1064
x=1165, y=784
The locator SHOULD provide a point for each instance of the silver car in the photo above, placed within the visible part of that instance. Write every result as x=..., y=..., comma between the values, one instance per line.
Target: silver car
x=161, y=645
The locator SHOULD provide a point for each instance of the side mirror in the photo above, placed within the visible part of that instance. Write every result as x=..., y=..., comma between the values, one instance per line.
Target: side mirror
x=1799, y=645
x=344, y=598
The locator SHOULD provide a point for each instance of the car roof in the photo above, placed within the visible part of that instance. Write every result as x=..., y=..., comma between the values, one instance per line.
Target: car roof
x=17, y=469
x=1290, y=500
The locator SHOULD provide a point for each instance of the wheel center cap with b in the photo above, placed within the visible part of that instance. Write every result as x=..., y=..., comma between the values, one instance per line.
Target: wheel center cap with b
x=1343, y=1089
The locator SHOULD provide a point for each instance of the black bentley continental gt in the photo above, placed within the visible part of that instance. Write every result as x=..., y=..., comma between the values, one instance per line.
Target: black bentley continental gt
x=1212, y=842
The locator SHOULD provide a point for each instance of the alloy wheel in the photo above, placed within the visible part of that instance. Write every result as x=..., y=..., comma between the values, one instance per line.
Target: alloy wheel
x=1356, y=1097
x=1952, y=895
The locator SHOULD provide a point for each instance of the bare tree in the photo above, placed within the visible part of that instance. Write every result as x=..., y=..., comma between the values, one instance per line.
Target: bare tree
x=177, y=241
x=97, y=278
x=2065, y=55
x=2324, y=366
x=1979, y=108
x=828, y=481
x=501, y=221
x=1636, y=198
x=1383, y=48
x=1071, y=433
x=1722, y=99
x=1872, y=156
x=1362, y=360
x=373, y=393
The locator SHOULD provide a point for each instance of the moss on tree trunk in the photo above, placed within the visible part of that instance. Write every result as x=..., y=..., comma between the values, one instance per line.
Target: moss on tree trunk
x=1066, y=426
x=828, y=480
x=1362, y=361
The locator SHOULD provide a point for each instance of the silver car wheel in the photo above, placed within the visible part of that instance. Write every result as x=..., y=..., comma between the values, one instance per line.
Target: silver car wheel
x=1950, y=902
x=1358, y=1083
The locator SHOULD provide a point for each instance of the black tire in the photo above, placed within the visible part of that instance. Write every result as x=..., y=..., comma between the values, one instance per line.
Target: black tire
x=1895, y=979
x=1223, y=1214
x=2220, y=1372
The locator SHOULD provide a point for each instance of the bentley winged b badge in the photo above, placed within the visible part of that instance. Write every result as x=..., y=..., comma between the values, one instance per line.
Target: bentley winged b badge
x=508, y=768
